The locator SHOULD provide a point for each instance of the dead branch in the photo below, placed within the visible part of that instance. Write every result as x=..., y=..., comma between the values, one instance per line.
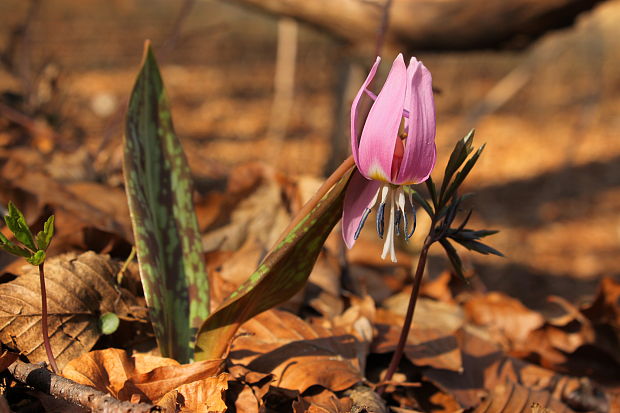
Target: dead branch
x=431, y=24
x=42, y=379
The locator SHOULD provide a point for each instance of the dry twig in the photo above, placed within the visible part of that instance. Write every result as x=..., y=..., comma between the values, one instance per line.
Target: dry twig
x=42, y=379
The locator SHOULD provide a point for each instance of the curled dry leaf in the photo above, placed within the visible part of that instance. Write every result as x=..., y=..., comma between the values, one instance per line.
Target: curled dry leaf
x=248, y=388
x=150, y=377
x=282, y=344
x=201, y=396
x=322, y=401
x=79, y=289
x=511, y=397
x=565, y=330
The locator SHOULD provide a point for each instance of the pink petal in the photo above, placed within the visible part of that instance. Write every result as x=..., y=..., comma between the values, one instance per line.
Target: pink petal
x=420, y=152
x=355, y=121
x=376, y=149
x=359, y=194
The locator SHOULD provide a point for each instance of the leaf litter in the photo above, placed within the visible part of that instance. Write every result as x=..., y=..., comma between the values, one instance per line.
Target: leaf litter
x=469, y=350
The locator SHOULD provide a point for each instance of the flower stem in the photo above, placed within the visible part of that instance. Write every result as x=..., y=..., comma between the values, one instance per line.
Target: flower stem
x=400, y=347
x=46, y=340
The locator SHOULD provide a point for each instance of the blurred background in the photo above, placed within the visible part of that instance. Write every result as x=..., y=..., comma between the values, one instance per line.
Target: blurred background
x=272, y=81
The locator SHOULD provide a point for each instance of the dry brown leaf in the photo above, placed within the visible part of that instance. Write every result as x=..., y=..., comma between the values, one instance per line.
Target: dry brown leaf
x=438, y=287
x=79, y=208
x=248, y=388
x=6, y=359
x=201, y=396
x=425, y=346
x=509, y=320
x=468, y=386
x=79, y=289
x=438, y=315
x=322, y=401
x=510, y=397
x=123, y=376
x=605, y=309
x=282, y=344
x=253, y=207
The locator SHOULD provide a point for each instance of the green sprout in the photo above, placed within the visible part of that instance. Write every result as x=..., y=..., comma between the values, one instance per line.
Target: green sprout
x=33, y=250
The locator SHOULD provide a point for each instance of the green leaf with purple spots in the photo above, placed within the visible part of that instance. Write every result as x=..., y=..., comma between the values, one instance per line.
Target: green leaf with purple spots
x=159, y=190
x=282, y=273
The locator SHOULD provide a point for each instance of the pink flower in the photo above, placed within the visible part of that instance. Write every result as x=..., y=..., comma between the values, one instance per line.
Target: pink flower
x=396, y=147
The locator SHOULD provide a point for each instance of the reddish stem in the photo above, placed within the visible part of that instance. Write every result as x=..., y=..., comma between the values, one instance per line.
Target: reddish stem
x=400, y=347
x=46, y=340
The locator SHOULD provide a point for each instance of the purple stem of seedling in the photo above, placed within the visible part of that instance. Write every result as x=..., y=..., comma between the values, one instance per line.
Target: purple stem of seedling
x=46, y=340
x=415, y=291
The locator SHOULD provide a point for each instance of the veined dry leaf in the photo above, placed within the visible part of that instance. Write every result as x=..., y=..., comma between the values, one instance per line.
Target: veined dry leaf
x=425, y=346
x=150, y=377
x=511, y=397
x=201, y=396
x=509, y=319
x=79, y=289
x=297, y=354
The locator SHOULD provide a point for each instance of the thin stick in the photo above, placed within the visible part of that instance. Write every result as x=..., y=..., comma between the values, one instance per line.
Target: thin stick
x=400, y=347
x=42, y=379
x=318, y=195
x=46, y=339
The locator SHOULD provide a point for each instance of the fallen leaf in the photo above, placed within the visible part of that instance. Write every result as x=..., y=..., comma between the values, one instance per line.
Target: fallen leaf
x=201, y=396
x=282, y=344
x=425, y=346
x=79, y=208
x=123, y=376
x=511, y=397
x=79, y=289
x=248, y=388
x=509, y=320
x=322, y=401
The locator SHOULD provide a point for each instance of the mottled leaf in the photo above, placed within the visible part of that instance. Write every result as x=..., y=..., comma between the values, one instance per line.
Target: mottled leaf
x=281, y=274
x=159, y=190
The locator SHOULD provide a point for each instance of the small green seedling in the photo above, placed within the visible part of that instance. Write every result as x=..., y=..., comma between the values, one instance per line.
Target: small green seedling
x=33, y=250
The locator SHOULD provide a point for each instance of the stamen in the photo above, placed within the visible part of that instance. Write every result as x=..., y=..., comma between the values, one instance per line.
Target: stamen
x=397, y=222
x=380, y=213
x=362, y=222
